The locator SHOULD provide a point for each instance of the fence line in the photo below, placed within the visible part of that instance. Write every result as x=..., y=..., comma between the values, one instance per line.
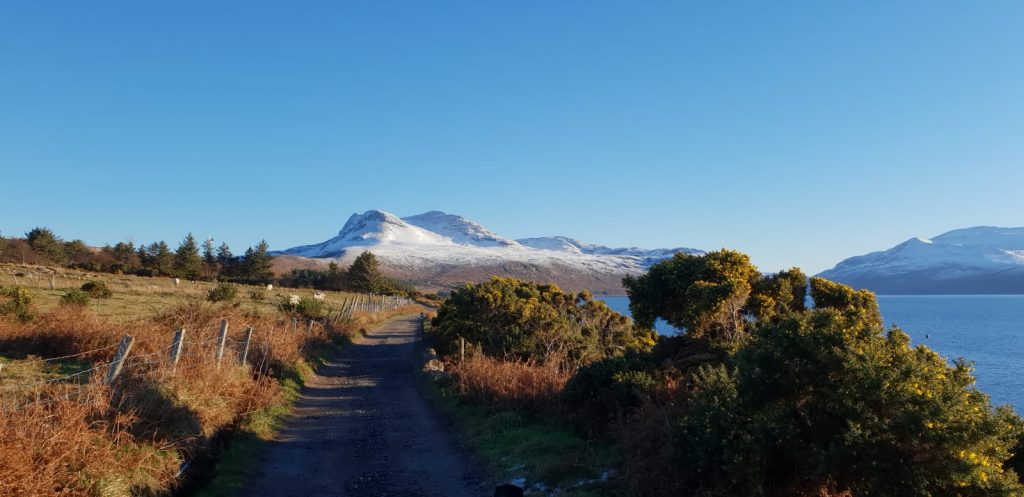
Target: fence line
x=171, y=358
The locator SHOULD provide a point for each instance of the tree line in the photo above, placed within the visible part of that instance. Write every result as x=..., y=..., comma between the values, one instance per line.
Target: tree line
x=364, y=275
x=194, y=261
x=190, y=259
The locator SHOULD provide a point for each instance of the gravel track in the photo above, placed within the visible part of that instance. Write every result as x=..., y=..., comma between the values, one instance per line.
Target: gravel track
x=362, y=429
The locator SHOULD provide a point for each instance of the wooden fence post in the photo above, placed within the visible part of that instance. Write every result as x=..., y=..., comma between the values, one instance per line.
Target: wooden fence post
x=222, y=338
x=245, y=346
x=309, y=328
x=119, y=358
x=176, y=345
x=462, y=349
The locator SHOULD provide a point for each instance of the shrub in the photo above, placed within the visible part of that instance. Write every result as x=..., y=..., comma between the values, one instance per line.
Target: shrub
x=305, y=307
x=826, y=403
x=506, y=316
x=75, y=297
x=222, y=292
x=17, y=302
x=97, y=289
x=604, y=392
x=257, y=295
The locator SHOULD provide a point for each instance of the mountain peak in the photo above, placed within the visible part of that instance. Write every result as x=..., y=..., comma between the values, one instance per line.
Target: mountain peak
x=373, y=219
x=437, y=245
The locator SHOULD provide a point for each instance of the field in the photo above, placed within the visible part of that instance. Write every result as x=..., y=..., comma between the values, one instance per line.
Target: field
x=136, y=296
x=69, y=427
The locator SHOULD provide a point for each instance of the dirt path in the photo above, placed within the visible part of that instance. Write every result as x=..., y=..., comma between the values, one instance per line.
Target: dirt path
x=361, y=429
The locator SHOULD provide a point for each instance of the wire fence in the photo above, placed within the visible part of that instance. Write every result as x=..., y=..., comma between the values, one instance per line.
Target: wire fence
x=184, y=350
x=232, y=346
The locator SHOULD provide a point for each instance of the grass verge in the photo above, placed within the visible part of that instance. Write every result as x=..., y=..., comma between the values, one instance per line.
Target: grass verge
x=230, y=472
x=509, y=445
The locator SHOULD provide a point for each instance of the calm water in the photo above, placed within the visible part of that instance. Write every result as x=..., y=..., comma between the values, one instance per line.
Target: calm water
x=986, y=329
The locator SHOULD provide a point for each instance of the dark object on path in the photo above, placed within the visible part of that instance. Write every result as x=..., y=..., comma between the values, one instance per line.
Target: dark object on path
x=508, y=491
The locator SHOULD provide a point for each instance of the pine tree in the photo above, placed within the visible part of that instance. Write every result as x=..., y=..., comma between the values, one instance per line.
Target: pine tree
x=209, y=258
x=208, y=255
x=226, y=260
x=76, y=252
x=3, y=245
x=46, y=244
x=124, y=254
x=187, y=262
x=257, y=263
x=336, y=278
x=364, y=274
x=163, y=259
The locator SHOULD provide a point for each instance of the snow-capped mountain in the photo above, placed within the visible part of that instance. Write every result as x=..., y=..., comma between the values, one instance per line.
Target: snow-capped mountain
x=975, y=260
x=436, y=248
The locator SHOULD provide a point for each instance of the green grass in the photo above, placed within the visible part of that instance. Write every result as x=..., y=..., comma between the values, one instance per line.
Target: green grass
x=513, y=445
x=134, y=296
x=233, y=465
x=21, y=369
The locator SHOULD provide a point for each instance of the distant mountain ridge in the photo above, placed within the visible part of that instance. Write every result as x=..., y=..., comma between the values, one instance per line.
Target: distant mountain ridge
x=978, y=260
x=440, y=249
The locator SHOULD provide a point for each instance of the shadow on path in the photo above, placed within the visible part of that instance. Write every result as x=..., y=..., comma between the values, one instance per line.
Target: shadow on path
x=361, y=429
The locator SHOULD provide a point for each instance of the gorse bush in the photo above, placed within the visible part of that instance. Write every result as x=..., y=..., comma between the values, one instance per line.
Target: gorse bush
x=16, y=301
x=827, y=401
x=96, y=289
x=222, y=292
x=604, y=392
x=717, y=297
x=506, y=316
x=305, y=307
x=759, y=396
x=75, y=297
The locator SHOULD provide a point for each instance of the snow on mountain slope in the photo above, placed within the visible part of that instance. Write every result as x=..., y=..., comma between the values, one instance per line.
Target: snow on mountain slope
x=565, y=244
x=971, y=260
x=458, y=228
x=436, y=242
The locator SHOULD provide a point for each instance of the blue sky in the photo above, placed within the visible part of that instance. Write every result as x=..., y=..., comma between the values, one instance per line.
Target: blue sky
x=799, y=132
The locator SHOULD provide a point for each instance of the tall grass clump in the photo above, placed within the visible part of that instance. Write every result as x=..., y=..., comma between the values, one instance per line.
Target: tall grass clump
x=78, y=446
x=513, y=385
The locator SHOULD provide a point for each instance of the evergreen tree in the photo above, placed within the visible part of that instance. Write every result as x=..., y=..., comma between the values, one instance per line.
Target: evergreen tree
x=225, y=260
x=3, y=245
x=76, y=252
x=145, y=254
x=257, y=264
x=163, y=259
x=46, y=244
x=364, y=274
x=336, y=278
x=124, y=254
x=209, y=258
x=187, y=262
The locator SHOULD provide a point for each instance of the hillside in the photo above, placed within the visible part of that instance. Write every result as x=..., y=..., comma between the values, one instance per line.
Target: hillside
x=439, y=250
x=978, y=260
